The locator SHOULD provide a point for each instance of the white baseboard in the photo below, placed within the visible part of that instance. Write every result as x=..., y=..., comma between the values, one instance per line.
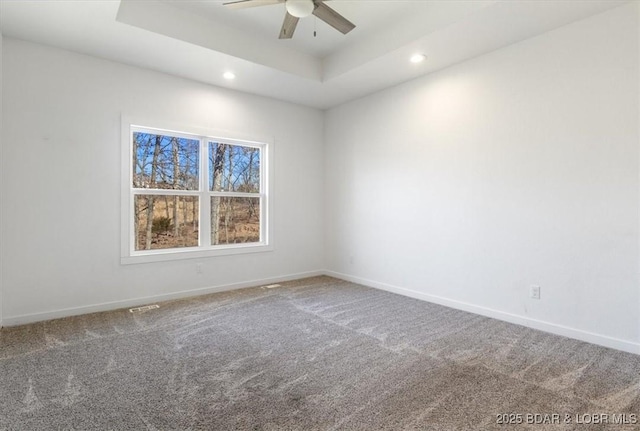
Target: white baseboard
x=135, y=302
x=589, y=337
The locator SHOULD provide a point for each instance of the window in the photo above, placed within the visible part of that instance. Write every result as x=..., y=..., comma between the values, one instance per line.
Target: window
x=190, y=195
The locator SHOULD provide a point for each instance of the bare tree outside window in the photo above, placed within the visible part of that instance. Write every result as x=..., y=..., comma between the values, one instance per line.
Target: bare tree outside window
x=174, y=231
x=165, y=163
x=235, y=170
x=174, y=194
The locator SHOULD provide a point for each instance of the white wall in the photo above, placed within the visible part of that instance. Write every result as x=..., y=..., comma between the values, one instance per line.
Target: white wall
x=516, y=168
x=61, y=182
x=464, y=187
x=1, y=265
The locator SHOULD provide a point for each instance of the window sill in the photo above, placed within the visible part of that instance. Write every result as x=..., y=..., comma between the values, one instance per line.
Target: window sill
x=192, y=253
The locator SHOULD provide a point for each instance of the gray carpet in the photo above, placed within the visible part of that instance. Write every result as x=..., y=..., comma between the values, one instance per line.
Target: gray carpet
x=315, y=354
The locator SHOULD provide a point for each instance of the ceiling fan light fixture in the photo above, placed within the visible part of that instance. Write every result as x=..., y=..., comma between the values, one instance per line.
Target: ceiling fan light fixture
x=299, y=8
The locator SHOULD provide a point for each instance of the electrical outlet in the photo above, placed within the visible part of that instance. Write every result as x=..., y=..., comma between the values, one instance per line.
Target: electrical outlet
x=198, y=268
x=351, y=259
x=534, y=292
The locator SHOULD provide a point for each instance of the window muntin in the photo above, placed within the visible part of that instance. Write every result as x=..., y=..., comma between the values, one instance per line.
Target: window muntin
x=202, y=194
x=234, y=185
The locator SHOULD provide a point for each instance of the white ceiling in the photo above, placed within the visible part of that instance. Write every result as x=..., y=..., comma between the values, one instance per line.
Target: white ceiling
x=202, y=39
x=265, y=22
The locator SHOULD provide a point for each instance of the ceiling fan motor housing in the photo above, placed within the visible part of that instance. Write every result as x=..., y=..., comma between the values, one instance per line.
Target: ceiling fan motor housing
x=297, y=9
x=300, y=8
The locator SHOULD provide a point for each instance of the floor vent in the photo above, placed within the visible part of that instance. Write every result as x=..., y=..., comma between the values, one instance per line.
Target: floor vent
x=143, y=308
x=271, y=286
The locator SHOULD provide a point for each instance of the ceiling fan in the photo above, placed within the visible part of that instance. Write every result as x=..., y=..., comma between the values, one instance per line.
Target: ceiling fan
x=297, y=9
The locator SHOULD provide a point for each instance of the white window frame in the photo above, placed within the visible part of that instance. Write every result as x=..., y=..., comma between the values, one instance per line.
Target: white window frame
x=131, y=256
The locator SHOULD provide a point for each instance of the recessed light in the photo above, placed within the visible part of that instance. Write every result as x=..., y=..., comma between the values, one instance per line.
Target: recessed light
x=229, y=75
x=417, y=58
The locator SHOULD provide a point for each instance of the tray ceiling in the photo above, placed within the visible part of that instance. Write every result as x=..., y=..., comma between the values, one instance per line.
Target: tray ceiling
x=200, y=40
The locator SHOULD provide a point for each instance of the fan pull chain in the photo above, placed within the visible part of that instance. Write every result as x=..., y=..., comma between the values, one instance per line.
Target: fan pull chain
x=315, y=21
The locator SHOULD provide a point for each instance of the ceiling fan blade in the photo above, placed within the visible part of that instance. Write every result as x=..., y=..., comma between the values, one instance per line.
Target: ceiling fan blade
x=288, y=26
x=242, y=4
x=333, y=18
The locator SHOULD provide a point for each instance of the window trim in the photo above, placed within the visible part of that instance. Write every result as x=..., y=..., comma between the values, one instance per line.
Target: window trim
x=130, y=256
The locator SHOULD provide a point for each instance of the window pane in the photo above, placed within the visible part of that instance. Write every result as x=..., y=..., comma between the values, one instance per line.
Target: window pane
x=165, y=162
x=174, y=222
x=235, y=220
x=234, y=168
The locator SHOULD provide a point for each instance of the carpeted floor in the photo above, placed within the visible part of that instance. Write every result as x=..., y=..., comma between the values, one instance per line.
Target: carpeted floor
x=314, y=354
